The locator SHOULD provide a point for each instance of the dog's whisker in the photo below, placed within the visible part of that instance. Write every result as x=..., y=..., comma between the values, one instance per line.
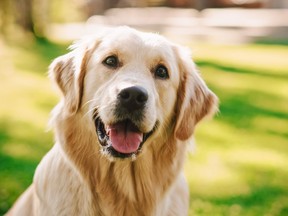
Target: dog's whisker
x=88, y=102
x=88, y=112
x=98, y=108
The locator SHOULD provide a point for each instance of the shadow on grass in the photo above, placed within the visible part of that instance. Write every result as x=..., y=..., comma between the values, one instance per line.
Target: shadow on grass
x=23, y=142
x=262, y=173
x=239, y=69
x=258, y=196
x=265, y=195
x=16, y=175
x=19, y=155
x=273, y=42
x=241, y=109
x=261, y=200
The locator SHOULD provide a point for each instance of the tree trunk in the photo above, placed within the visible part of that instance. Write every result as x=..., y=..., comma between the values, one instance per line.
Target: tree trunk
x=23, y=16
x=202, y=4
x=40, y=17
x=5, y=16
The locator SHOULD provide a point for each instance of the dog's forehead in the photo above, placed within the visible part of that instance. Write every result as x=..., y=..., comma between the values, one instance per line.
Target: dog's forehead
x=137, y=49
x=128, y=40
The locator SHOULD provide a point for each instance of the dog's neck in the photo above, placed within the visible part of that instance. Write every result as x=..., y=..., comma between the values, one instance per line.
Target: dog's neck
x=138, y=185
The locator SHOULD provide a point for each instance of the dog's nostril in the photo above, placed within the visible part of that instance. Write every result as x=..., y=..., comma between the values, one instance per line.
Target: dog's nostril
x=124, y=95
x=133, y=98
x=142, y=98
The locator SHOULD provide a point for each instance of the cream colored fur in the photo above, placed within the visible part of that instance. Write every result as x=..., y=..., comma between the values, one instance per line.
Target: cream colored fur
x=76, y=177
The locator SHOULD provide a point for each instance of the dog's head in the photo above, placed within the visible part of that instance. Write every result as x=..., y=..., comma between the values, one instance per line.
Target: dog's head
x=134, y=88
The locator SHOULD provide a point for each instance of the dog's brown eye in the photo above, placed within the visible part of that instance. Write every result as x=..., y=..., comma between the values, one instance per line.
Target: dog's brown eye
x=111, y=61
x=161, y=72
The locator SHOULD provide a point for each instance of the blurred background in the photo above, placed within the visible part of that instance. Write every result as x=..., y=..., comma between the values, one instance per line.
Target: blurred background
x=240, y=163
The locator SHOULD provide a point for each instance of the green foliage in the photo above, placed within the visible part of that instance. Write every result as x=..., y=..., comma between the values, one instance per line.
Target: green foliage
x=240, y=163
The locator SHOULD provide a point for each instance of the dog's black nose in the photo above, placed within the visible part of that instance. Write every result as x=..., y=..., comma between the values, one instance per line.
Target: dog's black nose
x=133, y=98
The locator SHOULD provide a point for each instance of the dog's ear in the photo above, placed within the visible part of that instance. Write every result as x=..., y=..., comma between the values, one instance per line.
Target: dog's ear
x=194, y=99
x=68, y=72
x=62, y=71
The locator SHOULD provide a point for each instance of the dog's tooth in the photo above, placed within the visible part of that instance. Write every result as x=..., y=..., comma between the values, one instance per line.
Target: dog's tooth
x=107, y=129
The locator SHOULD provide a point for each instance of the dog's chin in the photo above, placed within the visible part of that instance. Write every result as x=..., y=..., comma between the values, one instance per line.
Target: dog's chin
x=121, y=140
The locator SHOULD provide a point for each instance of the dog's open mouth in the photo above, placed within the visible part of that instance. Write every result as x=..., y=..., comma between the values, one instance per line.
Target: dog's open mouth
x=122, y=139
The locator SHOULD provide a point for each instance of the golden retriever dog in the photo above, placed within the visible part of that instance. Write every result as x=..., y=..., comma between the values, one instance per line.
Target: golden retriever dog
x=130, y=104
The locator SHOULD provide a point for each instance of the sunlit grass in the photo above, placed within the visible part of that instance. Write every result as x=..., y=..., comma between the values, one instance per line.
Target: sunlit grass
x=259, y=59
x=239, y=165
x=26, y=100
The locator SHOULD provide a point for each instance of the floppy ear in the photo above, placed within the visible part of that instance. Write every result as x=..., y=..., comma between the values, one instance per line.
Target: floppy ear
x=195, y=100
x=68, y=72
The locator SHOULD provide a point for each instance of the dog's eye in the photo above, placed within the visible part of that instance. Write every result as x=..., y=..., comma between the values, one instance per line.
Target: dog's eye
x=161, y=72
x=111, y=61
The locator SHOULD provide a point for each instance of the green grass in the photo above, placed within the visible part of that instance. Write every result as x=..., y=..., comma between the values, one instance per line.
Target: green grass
x=240, y=163
x=26, y=100
x=240, y=166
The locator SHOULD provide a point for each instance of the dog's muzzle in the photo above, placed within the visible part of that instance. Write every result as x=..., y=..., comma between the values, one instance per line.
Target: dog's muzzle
x=123, y=138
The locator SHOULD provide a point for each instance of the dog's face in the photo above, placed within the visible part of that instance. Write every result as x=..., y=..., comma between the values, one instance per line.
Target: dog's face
x=135, y=87
x=132, y=80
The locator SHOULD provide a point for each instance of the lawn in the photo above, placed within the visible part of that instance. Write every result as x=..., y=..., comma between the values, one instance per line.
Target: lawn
x=240, y=163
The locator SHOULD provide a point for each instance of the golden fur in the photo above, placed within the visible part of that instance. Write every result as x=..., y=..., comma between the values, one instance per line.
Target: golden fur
x=76, y=177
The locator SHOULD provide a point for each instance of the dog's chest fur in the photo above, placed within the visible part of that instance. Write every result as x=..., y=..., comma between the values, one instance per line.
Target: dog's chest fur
x=100, y=187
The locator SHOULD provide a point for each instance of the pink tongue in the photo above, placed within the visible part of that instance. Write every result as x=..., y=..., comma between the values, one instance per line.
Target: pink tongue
x=124, y=137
